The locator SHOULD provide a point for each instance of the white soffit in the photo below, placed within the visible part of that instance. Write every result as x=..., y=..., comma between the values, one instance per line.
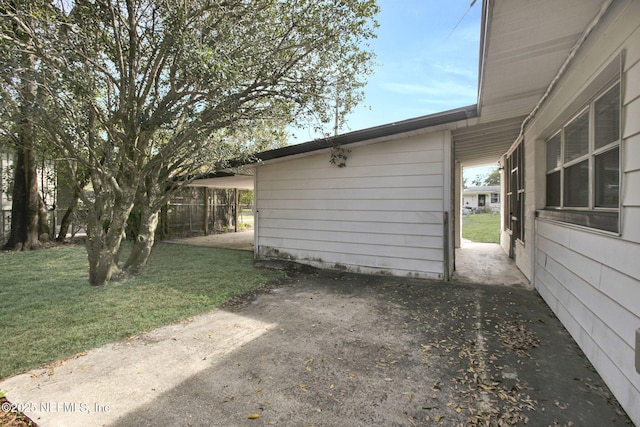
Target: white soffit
x=242, y=182
x=484, y=143
x=525, y=44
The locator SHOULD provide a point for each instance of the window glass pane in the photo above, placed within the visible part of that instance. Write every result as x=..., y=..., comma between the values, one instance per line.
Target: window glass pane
x=553, y=152
x=607, y=186
x=576, y=185
x=607, y=118
x=576, y=138
x=553, y=189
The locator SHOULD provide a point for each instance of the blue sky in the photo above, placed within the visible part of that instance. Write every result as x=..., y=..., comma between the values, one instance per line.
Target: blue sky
x=423, y=68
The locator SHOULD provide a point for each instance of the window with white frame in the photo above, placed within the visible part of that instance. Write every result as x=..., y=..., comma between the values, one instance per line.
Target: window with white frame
x=583, y=165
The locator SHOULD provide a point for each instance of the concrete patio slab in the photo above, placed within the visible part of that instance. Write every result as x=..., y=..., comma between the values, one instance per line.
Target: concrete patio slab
x=331, y=349
x=241, y=240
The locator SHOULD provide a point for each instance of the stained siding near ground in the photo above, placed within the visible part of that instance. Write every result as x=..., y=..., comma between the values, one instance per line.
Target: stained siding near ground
x=382, y=213
x=591, y=279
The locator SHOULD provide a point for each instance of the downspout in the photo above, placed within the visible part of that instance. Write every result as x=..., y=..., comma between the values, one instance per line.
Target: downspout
x=572, y=53
x=256, y=216
x=445, y=232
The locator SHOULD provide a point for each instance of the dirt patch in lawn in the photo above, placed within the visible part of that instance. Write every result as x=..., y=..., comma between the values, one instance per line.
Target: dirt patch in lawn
x=11, y=416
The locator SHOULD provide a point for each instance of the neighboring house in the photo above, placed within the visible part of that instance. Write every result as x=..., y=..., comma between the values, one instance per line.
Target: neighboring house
x=487, y=197
x=46, y=185
x=5, y=195
x=559, y=108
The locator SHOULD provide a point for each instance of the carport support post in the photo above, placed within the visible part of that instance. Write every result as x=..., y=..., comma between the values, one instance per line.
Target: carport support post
x=236, y=198
x=206, y=211
x=445, y=243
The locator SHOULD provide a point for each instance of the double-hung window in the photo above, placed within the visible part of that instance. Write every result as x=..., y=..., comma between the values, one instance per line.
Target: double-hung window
x=583, y=165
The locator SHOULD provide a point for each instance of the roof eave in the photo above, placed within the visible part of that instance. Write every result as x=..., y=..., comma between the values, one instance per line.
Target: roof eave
x=376, y=132
x=484, y=38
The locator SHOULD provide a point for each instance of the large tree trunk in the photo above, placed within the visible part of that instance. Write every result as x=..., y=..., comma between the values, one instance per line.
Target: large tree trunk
x=82, y=181
x=143, y=241
x=65, y=223
x=25, y=197
x=150, y=198
x=44, y=230
x=105, y=231
x=225, y=207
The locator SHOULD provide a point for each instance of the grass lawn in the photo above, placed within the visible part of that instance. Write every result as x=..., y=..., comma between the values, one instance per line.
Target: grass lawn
x=48, y=310
x=481, y=228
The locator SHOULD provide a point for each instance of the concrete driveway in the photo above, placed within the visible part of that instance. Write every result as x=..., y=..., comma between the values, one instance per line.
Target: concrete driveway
x=327, y=349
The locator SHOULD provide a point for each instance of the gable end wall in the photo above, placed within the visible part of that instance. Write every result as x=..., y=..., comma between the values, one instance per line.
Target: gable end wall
x=382, y=213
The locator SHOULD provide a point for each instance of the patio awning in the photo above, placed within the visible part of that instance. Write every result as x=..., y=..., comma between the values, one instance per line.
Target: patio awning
x=240, y=179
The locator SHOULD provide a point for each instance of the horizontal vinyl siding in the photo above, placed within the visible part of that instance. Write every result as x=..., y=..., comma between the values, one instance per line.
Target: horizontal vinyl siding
x=591, y=282
x=631, y=149
x=381, y=213
x=631, y=155
x=591, y=279
x=631, y=223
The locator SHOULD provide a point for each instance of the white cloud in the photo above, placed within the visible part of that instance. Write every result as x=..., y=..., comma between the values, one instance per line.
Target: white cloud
x=436, y=88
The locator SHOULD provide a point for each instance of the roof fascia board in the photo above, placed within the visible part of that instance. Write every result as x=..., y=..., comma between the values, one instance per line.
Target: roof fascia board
x=374, y=134
x=487, y=7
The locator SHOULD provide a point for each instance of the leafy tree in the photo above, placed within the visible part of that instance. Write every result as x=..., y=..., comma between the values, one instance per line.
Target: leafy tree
x=492, y=178
x=140, y=92
x=19, y=99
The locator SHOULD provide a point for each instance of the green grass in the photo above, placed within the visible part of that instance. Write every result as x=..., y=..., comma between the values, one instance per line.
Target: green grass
x=48, y=311
x=481, y=228
x=246, y=218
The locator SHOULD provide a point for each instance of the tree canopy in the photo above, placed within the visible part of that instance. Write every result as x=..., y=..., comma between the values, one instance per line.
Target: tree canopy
x=140, y=91
x=489, y=179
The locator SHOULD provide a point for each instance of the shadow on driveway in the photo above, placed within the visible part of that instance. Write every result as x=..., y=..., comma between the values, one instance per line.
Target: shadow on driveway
x=331, y=349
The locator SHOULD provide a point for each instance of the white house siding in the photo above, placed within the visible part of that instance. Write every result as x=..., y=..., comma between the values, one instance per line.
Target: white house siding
x=382, y=213
x=46, y=186
x=591, y=279
x=5, y=175
x=5, y=202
